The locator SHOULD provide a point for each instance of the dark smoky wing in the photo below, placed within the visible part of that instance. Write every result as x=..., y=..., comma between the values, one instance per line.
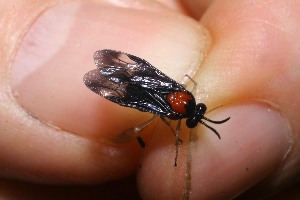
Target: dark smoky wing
x=126, y=94
x=131, y=81
x=99, y=84
x=122, y=67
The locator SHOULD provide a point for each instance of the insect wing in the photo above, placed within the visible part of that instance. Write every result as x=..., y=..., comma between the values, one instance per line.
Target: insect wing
x=99, y=84
x=131, y=81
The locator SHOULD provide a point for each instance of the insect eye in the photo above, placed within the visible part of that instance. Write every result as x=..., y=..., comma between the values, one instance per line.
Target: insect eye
x=201, y=109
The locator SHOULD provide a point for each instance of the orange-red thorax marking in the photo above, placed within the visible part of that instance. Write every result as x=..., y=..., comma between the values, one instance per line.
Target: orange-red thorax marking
x=178, y=101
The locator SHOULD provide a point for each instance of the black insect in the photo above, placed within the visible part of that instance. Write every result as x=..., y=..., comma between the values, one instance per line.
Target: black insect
x=133, y=82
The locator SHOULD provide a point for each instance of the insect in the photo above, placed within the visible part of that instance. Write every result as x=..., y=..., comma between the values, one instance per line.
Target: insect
x=133, y=82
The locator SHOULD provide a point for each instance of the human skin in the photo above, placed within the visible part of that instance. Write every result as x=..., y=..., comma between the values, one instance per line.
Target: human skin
x=244, y=56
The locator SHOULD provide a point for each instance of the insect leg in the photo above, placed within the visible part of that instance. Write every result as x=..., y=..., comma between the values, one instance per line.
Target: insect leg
x=177, y=141
x=139, y=128
x=169, y=125
x=194, y=82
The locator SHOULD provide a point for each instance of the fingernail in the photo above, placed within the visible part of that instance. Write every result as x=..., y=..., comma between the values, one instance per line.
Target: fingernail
x=58, y=50
x=253, y=144
x=46, y=71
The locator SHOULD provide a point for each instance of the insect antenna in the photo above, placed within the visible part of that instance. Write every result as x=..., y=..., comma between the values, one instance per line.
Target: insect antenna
x=211, y=128
x=216, y=122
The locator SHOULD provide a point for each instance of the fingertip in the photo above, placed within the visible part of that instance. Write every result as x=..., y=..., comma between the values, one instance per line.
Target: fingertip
x=253, y=144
